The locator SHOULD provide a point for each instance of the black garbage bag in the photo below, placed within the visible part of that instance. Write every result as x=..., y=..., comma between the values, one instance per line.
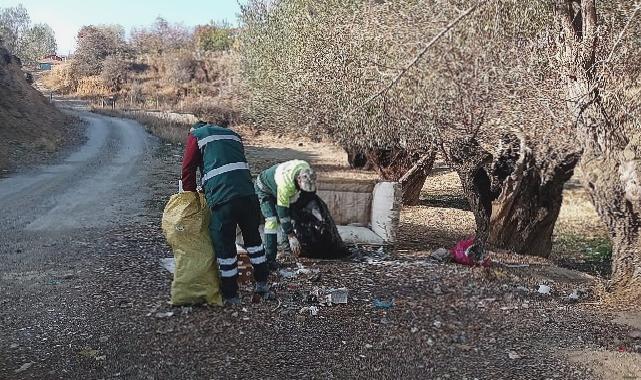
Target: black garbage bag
x=316, y=230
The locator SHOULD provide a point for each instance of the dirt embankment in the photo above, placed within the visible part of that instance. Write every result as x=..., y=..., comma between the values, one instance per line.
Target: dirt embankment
x=31, y=129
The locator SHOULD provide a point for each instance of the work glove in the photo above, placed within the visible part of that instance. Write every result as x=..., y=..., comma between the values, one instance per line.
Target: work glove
x=294, y=244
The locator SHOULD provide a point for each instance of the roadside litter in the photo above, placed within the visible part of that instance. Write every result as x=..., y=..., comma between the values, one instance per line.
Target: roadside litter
x=328, y=297
x=382, y=304
x=300, y=270
x=544, y=289
x=465, y=252
x=312, y=310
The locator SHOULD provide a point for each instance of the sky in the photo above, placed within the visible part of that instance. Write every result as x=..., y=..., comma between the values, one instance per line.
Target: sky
x=67, y=16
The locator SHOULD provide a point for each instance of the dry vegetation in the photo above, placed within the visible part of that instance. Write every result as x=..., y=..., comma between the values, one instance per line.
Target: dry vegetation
x=164, y=67
x=31, y=129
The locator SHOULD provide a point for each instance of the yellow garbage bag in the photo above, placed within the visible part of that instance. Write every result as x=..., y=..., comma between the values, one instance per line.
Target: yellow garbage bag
x=185, y=223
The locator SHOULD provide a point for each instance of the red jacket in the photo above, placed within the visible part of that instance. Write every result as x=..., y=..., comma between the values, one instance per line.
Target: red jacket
x=192, y=160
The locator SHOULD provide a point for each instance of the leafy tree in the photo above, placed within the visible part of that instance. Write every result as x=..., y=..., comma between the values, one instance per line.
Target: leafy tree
x=39, y=41
x=115, y=72
x=213, y=37
x=95, y=44
x=14, y=24
x=160, y=37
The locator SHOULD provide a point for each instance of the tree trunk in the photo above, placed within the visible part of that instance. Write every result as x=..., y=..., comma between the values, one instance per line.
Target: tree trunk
x=611, y=163
x=615, y=191
x=525, y=212
x=470, y=160
x=515, y=202
x=412, y=182
x=357, y=159
x=390, y=164
x=409, y=169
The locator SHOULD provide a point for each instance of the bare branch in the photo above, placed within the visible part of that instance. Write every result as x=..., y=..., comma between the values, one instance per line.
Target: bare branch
x=623, y=31
x=414, y=61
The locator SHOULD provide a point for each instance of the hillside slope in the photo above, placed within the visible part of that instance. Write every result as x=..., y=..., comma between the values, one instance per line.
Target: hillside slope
x=30, y=127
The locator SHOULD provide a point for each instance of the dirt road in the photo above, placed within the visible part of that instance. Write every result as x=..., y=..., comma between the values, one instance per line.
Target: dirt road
x=54, y=218
x=83, y=294
x=93, y=187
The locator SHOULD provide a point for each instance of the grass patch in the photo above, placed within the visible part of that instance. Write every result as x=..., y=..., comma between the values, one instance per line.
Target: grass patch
x=587, y=254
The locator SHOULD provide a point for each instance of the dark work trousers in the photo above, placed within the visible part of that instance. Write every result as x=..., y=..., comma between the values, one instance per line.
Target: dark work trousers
x=243, y=212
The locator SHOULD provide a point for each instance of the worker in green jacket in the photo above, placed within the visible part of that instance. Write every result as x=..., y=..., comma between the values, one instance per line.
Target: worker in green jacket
x=220, y=155
x=277, y=188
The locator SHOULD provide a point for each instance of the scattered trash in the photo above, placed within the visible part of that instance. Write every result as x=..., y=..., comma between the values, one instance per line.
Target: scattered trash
x=101, y=358
x=441, y=254
x=513, y=355
x=328, y=296
x=14, y=345
x=544, y=289
x=312, y=310
x=338, y=296
x=24, y=367
x=284, y=273
x=382, y=304
x=465, y=252
x=437, y=324
x=169, y=264
x=574, y=296
x=414, y=330
x=301, y=270
x=522, y=289
x=368, y=346
x=164, y=315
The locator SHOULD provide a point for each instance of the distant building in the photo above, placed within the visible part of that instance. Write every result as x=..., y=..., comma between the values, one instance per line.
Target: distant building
x=49, y=61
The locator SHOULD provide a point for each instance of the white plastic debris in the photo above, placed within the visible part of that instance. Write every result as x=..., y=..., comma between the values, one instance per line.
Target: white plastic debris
x=441, y=254
x=301, y=270
x=338, y=296
x=330, y=296
x=169, y=264
x=513, y=355
x=313, y=311
x=165, y=315
x=544, y=289
x=574, y=296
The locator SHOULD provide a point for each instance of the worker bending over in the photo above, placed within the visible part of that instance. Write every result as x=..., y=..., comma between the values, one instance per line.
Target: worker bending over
x=277, y=188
